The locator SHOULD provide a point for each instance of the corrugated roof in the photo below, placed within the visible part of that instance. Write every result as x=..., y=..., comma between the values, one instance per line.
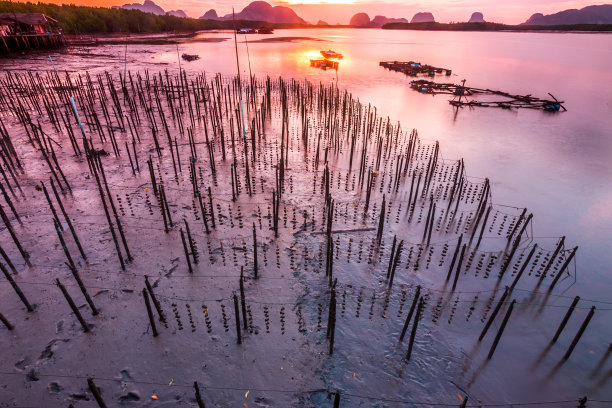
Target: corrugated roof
x=28, y=18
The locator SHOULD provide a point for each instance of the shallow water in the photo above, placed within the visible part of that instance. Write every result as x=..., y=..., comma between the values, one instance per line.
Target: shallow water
x=556, y=165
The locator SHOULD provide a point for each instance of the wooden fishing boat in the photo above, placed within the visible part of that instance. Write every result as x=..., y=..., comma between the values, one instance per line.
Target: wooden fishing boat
x=323, y=64
x=190, y=57
x=329, y=54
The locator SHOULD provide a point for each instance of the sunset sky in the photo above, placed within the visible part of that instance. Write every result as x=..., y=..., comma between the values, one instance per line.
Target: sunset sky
x=340, y=11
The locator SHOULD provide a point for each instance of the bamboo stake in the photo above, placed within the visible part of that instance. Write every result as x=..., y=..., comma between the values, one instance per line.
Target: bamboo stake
x=145, y=295
x=16, y=288
x=74, y=308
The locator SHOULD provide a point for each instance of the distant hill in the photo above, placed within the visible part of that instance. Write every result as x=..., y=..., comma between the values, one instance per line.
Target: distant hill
x=380, y=21
x=423, y=18
x=477, y=17
x=177, y=13
x=147, y=7
x=150, y=7
x=363, y=20
x=486, y=26
x=210, y=15
x=601, y=14
x=261, y=11
x=360, y=20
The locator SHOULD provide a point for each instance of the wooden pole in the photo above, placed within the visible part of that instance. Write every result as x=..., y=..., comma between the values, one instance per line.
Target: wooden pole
x=409, y=317
x=501, y=329
x=255, y=265
x=186, y=251
x=525, y=264
x=566, y=318
x=16, y=288
x=145, y=295
x=6, y=322
x=585, y=323
x=458, y=271
x=96, y=393
x=77, y=277
x=494, y=314
x=67, y=218
x=74, y=308
x=198, y=397
x=414, y=328
x=237, y=314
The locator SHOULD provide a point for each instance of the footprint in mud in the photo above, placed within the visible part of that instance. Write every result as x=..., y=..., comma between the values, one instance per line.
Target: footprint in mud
x=31, y=376
x=125, y=375
x=262, y=402
x=22, y=364
x=130, y=396
x=54, y=387
x=49, y=350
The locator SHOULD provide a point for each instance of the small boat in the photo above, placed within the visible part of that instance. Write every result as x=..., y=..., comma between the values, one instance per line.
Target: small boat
x=264, y=30
x=551, y=107
x=323, y=64
x=329, y=54
x=190, y=57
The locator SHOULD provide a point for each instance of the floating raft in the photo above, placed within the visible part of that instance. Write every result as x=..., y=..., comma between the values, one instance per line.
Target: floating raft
x=511, y=101
x=413, y=69
x=323, y=64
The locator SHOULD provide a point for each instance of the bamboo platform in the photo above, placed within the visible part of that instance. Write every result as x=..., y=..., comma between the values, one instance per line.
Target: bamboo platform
x=413, y=69
x=28, y=42
x=510, y=101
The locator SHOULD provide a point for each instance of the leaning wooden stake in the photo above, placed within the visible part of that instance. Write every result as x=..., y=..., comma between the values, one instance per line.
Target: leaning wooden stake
x=243, y=299
x=332, y=332
x=458, y=271
x=186, y=251
x=145, y=295
x=255, y=265
x=237, y=314
x=501, y=329
x=525, y=263
x=160, y=312
x=494, y=314
x=74, y=308
x=563, y=267
x=414, y=328
x=16, y=288
x=7, y=260
x=457, y=248
x=198, y=397
x=566, y=318
x=96, y=393
x=77, y=277
x=63, y=243
x=67, y=218
x=409, y=317
x=579, y=334
x=9, y=227
x=6, y=322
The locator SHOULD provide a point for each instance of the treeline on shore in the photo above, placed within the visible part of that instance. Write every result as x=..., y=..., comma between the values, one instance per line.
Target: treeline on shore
x=91, y=20
x=494, y=27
